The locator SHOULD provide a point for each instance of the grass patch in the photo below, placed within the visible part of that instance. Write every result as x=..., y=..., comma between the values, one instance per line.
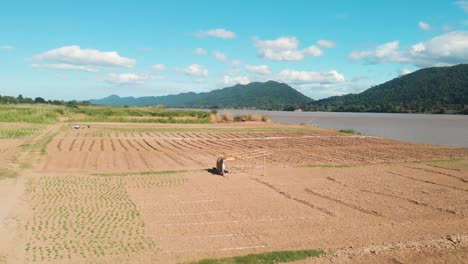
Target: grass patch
x=115, y=111
x=46, y=114
x=267, y=258
x=457, y=164
x=40, y=114
x=8, y=174
x=41, y=144
x=143, y=173
x=161, y=120
x=138, y=115
x=349, y=131
x=440, y=160
x=211, y=129
x=18, y=132
x=327, y=166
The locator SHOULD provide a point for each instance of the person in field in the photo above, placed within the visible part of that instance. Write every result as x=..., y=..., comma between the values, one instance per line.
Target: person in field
x=221, y=166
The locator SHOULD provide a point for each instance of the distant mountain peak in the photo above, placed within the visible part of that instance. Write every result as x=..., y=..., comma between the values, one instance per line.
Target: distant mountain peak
x=266, y=95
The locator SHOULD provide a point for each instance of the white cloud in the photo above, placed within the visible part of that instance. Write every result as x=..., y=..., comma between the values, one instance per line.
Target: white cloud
x=88, y=57
x=219, y=56
x=313, y=51
x=259, y=69
x=158, y=67
x=217, y=33
x=284, y=49
x=230, y=80
x=200, y=51
x=282, y=43
x=424, y=26
x=65, y=67
x=381, y=52
x=447, y=49
x=309, y=77
x=235, y=63
x=128, y=78
x=462, y=4
x=6, y=47
x=234, y=71
x=224, y=59
x=196, y=70
x=326, y=43
x=405, y=71
x=446, y=28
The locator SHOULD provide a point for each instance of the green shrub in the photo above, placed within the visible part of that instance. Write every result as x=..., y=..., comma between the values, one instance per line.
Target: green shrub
x=267, y=258
x=349, y=131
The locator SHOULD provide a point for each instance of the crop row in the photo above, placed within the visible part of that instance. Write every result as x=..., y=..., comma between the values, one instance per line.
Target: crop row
x=208, y=129
x=82, y=216
x=154, y=181
x=18, y=132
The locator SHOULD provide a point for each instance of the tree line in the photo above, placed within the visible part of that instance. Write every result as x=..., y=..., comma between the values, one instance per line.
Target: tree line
x=20, y=99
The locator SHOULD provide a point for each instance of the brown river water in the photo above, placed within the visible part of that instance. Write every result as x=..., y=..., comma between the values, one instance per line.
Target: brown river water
x=449, y=130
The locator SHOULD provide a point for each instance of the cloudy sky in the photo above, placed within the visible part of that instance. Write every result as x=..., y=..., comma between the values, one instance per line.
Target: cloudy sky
x=91, y=49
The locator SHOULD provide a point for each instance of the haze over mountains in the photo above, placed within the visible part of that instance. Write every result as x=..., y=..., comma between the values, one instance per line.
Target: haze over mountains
x=429, y=90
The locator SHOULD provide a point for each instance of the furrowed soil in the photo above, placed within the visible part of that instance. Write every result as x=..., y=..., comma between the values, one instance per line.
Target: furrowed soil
x=145, y=193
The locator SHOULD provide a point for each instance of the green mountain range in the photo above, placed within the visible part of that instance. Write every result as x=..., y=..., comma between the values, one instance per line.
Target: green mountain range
x=429, y=90
x=268, y=95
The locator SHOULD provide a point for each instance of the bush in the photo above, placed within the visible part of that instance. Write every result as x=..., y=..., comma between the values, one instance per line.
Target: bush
x=227, y=117
x=251, y=117
x=350, y=131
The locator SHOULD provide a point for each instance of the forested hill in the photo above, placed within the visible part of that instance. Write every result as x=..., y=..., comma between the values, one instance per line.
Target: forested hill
x=429, y=90
x=269, y=95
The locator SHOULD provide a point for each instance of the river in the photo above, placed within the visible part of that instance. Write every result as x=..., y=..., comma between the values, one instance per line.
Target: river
x=449, y=130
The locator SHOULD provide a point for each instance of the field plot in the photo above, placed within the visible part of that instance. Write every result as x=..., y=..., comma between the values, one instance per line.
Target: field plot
x=105, y=148
x=301, y=208
x=85, y=217
x=12, y=137
x=114, y=193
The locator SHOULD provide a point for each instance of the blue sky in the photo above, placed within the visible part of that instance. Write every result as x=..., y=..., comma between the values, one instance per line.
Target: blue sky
x=91, y=49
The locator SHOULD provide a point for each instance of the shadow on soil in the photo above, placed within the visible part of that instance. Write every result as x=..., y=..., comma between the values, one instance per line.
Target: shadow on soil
x=214, y=171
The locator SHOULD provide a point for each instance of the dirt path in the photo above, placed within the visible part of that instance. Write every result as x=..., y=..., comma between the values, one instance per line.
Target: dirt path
x=14, y=207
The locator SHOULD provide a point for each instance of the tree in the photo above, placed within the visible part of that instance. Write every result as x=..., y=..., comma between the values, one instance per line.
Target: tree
x=39, y=100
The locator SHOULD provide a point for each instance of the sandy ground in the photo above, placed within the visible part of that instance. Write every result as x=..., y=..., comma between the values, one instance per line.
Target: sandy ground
x=98, y=196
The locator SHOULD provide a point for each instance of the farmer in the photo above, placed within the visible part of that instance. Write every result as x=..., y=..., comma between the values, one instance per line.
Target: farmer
x=221, y=166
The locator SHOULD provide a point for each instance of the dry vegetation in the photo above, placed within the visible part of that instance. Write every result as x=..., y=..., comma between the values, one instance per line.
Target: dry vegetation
x=228, y=117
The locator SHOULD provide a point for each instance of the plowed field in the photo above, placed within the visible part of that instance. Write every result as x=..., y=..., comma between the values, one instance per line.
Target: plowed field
x=130, y=193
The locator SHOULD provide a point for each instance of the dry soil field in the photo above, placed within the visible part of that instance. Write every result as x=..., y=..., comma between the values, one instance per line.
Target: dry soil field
x=143, y=193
